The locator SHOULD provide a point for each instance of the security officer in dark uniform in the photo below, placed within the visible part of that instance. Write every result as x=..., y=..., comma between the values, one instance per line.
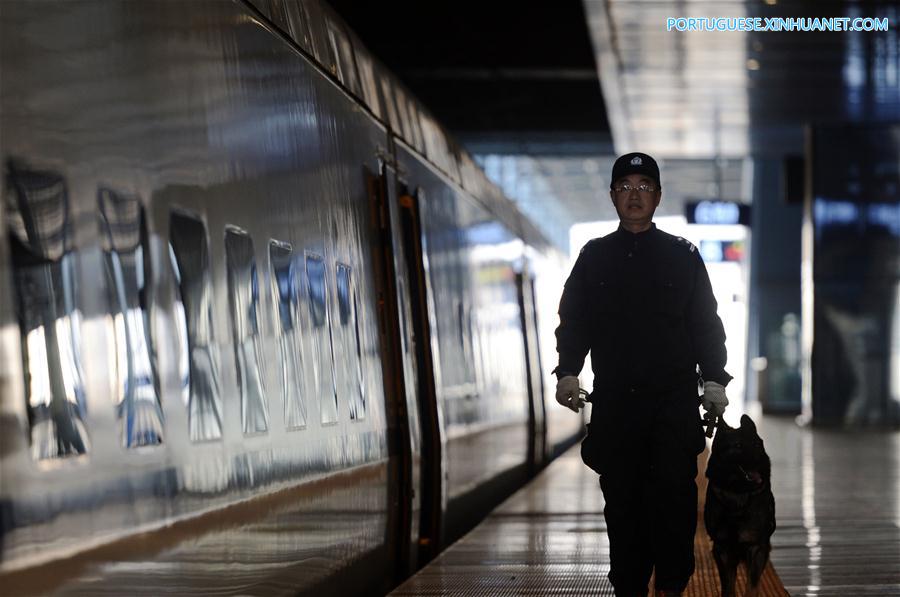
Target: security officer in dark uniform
x=640, y=301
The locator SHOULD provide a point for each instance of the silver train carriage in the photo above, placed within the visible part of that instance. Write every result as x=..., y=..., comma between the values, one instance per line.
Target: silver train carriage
x=263, y=328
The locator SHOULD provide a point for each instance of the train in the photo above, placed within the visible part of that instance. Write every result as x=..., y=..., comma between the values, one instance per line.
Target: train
x=265, y=328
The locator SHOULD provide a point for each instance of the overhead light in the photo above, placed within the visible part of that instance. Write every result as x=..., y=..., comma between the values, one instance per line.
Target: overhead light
x=771, y=2
x=753, y=64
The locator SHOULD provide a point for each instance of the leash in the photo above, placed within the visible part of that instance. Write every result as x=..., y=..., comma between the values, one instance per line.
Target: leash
x=711, y=422
x=581, y=399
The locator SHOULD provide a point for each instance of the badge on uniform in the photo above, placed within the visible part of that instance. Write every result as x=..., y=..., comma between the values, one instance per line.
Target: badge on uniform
x=691, y=247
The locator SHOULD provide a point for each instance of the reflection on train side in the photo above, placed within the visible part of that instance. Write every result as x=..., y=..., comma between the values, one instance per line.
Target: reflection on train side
x=287, y=302
x=126, y=258
x=322, y=350
x=494, y=254
x=43, y=262
x=349, y=345
x=193, y=304
x=243, y=296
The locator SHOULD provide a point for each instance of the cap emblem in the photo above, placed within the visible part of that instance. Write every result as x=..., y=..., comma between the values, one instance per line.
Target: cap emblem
x=636, y=161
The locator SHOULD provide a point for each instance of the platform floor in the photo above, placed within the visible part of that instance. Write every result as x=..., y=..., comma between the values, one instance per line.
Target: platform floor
x=838, y=511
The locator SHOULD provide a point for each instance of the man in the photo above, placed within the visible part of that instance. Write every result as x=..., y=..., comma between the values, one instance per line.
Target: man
x=640, y=301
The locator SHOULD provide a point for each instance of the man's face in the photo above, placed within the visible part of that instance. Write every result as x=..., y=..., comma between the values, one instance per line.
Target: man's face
x=634, y=206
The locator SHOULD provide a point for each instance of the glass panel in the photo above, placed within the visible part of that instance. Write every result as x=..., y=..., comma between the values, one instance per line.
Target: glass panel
x=243, y=295
x=124, y=240
x=37, y=206
x=855, y=242
x=181, y=340
x=343, y=292
x=193, y=309
x=322, y=350
x=287, y=300
x=350, y=351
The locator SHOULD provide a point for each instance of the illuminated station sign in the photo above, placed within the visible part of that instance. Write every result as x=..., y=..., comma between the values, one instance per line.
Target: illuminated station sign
x=718, y=251
x=717, y=213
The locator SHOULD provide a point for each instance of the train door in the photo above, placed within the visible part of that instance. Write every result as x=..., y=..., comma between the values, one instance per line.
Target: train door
x=537, y=368
x=409, y=385
x=410, y=255
x=533, y=373
x=404, y=470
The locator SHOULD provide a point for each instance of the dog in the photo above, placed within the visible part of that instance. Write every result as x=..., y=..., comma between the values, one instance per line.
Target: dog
x=740, y=508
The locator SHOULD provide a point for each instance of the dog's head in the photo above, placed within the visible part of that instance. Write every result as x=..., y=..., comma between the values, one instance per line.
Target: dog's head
x=738, y=461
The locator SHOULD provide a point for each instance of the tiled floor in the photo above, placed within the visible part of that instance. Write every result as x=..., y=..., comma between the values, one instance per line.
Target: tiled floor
x=838, y=504
x=838, y=509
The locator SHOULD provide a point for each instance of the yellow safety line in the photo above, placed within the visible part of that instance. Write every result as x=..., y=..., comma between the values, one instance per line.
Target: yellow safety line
x=705, y=581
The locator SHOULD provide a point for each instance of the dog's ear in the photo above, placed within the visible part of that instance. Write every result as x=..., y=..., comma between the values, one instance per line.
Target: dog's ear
x=747, y=423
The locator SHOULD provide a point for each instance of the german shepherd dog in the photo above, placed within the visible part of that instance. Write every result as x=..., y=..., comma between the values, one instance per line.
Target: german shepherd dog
x=740, y=508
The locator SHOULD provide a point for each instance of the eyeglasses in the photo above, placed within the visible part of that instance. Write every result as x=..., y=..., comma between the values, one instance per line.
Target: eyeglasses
x=641, y=188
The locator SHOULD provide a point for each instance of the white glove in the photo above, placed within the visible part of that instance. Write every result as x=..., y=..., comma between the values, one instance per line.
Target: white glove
x=568, y=392
x=714, y=400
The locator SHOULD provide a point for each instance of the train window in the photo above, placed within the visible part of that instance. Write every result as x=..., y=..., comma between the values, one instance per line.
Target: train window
x=243, y=296
x=343, y=53
x=126, y=258
x=350, y=351
x=193, y=317
x=45, y=279
x=315, y=273
x=390, y=106
x=323, y=352
x=285, y=290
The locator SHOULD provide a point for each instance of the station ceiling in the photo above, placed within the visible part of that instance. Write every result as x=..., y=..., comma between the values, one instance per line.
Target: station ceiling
x=546, y=94
x=516, y=83
x=512, y=76
x=701, y=94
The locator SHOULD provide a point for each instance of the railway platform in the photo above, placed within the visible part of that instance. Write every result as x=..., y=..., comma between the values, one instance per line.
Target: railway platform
x=838, y=516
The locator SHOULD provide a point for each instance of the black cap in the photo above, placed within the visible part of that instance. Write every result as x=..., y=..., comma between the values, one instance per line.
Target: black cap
x=635, y=163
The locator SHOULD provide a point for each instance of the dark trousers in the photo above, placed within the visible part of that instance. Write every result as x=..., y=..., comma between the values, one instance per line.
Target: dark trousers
x=648, y=446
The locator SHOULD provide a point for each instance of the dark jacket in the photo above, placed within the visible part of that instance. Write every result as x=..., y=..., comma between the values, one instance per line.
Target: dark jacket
x=643, y=305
